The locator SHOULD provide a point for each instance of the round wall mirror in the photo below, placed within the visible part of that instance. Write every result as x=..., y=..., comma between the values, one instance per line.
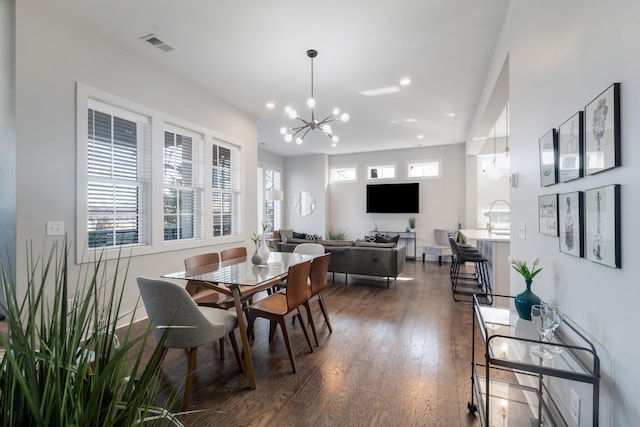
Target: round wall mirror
x=305, y=203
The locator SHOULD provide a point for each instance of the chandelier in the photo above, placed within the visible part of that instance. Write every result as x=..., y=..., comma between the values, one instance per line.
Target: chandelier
x=298, y=133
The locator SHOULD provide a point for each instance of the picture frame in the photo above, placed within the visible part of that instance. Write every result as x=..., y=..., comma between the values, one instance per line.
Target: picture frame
x=602, y=131
x=570, y=146
x=548, y=147
x=548, y=214
x=570, y=223
x=602, y=225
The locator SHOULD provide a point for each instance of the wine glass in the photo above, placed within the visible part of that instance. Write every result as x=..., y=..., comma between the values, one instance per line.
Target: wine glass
x=558, y=321
x=543, y=318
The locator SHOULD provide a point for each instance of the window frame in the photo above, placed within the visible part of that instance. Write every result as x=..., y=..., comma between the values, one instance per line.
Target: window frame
x=154, y=223
x=343, y=181
x=382, y=166
x=422, y=162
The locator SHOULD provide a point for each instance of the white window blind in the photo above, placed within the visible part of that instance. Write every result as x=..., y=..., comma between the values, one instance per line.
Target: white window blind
x=183, y=188
x=225, y=190
x=117, y=171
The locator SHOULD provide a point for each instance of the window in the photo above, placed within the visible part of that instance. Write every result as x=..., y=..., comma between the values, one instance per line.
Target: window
x=271, y=213
x=183, y=189
x=225, y=185
x=344, y=174
x=424, y=169
x=381, y=172
x=117, y=192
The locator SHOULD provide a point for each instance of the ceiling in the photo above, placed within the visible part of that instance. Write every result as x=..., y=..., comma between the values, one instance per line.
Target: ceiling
x=251, y=52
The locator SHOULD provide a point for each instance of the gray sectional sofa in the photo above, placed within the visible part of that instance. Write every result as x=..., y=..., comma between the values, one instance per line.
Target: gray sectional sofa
x=359, y=257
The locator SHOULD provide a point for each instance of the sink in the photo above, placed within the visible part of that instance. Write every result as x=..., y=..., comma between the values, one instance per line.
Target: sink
x=501, y=232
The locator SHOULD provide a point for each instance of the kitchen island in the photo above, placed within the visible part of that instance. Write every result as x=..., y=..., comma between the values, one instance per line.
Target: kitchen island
x=495, y=248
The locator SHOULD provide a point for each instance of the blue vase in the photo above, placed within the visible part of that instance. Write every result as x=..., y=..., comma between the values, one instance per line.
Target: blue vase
x=525, y=300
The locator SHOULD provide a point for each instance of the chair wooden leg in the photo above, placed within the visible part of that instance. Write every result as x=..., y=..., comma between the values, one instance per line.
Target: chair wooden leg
x=285, y=334
x=236, y=350
x=272, y=329
x=304, y=329
x=323, y=308
x=191, y=367
x=221, y=342
x=310, y=321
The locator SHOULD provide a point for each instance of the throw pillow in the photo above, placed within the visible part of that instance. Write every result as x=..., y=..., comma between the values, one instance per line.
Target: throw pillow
x=311, y=237
x=299, y=235
x=370, y=238
x=380, y=238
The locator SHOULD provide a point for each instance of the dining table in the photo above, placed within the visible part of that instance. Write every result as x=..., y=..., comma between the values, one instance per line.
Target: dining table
x=241, y=279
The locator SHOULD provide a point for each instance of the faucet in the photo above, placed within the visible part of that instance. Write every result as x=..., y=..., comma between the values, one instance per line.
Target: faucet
x=491, y=211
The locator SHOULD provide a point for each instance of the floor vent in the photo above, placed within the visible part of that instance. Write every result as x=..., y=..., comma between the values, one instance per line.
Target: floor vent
x=155, y=41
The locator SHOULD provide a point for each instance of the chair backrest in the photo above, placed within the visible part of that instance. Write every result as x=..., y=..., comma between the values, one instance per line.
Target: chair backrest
x=441, y=236
x=201, y=260
x=297, y=284
x=169, y=305
x=318, y=273
x=309, y=249
x=233, y=253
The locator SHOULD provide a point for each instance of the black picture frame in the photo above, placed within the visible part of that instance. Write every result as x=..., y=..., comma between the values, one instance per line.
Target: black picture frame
x=602, y=225
x=571, y=223
x=548, y=148
x=548, y=214
x=570, y=146
x=602, y=131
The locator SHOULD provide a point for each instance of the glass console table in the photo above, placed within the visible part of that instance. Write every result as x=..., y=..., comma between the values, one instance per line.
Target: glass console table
x=511, y=386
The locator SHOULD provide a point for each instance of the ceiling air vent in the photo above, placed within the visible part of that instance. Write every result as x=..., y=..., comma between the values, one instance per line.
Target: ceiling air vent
x=155, y=41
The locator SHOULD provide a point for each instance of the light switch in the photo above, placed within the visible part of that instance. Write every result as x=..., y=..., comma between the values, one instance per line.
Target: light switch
x=55, y=228
x=522, y=230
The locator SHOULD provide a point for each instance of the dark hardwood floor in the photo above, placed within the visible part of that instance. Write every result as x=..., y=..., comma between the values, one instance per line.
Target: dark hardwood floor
x=397, y=357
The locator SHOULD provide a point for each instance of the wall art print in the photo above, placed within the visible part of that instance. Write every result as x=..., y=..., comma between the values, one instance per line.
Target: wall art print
x=570, y=144
x=548, y=214
x=602, y=225
x=602, y=131
x=570, y=223
x=548, y=145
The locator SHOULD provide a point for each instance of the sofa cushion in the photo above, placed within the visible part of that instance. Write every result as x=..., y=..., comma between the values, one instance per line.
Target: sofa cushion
x=335, y=242
x=364, y=243
x=296, y=240
x=381, y=238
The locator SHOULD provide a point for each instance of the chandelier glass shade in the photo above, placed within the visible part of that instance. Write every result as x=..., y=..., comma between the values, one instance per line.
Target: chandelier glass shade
x=298, y=133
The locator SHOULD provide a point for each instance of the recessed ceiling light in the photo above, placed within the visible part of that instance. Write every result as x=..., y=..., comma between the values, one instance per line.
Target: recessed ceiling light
x=405, y=81
x=450, y=114
x=421, y=136
x=393, y=121
x=409, y=120
x=380, y=91
x=270, y=105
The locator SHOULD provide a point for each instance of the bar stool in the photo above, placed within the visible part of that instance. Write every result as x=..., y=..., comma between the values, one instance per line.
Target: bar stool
x=477, y=282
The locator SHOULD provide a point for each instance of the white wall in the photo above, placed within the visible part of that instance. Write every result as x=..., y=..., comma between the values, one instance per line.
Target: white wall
x=562, y=55
x=306, y=173
x=52, y=55
x=441, y=200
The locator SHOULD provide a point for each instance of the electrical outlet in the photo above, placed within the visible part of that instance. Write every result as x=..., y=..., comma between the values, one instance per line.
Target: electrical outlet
x=574, y=409
x=55, y=228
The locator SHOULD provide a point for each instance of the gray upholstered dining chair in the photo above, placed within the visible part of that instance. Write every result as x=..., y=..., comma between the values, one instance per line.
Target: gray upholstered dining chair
x=309, y=249
x=170, y=308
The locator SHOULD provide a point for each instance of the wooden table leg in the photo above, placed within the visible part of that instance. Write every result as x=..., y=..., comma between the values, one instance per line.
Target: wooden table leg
x=248, y=363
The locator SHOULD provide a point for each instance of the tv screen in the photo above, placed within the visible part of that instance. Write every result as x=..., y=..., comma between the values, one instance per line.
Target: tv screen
x=393, y=198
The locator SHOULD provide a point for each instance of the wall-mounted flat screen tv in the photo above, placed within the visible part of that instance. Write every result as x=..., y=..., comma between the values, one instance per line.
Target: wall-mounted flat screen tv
x=393, y=198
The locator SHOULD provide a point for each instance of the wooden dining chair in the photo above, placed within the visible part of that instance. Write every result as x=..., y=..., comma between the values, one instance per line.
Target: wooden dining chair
x=318, y=279
x=171, y=310
x=233, y=253
x=202, y=294
x=278, y=306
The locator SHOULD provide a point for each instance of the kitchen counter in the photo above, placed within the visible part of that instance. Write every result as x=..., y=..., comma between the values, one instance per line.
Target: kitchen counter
x=495, y=247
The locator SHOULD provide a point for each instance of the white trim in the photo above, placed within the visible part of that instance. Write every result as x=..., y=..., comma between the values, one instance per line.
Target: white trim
x=420, y=162
x=393, y=165
x=345, y=181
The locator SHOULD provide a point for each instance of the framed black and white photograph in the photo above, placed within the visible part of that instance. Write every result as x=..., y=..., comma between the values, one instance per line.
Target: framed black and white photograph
x=548, y=155
x=602, y=225
x=570, y=142
x=548, y=214
x=602, y=131
x=570, y=214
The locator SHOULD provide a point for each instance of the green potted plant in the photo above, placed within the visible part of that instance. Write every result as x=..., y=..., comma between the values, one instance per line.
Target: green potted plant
x=63, y=364
x=337, y=234
x=412, y=222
